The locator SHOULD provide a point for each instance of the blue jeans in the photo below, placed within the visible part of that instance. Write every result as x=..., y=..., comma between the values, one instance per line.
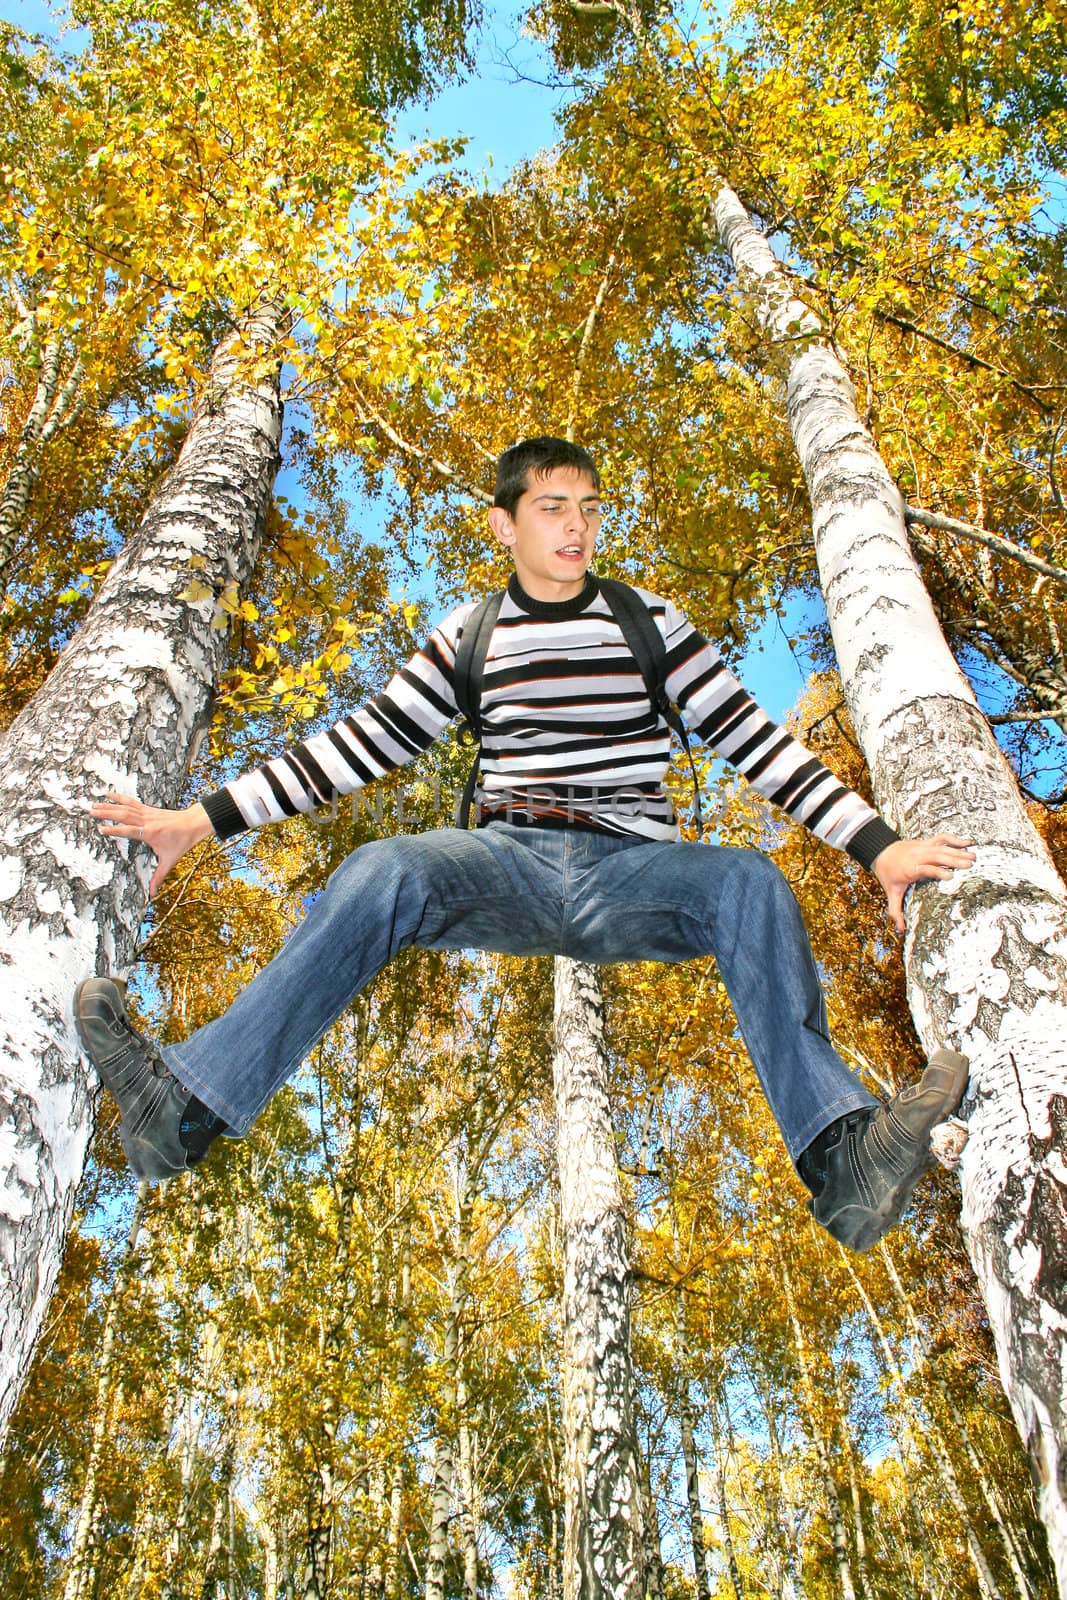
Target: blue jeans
x=537, y=891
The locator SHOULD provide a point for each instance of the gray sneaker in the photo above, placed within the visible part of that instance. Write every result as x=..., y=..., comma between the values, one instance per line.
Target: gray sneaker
x=874, y=1159
x=151, y=1099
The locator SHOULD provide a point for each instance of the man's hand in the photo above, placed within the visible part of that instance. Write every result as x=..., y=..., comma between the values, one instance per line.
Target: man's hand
x=169, y=833
x=910, y=861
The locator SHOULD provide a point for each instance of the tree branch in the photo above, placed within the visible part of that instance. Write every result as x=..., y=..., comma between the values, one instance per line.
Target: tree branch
x=372, y=419
x=970, y=359
x=966, y=530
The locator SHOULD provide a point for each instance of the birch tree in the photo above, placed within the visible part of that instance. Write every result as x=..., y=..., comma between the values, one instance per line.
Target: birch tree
x=124, y=708
x=603, y=1544
x=986, y=958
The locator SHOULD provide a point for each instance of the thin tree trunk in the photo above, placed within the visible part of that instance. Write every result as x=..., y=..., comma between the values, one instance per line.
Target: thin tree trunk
x=123, y=708
x=930, y=1432
x=469, y=1496
x=978, y=1474
x=396, y=1497
x=80, y=1579
x=848, y=1451
x=654, y=1582
x=786, y=1510
x=720, y=1456
x=219, y=1555
x=468, y=1187
x=838, y=1534
x=603, y=1548
x=689, y=1452
x=55, y=404
x=986, y=956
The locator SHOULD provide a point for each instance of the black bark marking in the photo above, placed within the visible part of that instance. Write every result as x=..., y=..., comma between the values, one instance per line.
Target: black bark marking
x=871, y=660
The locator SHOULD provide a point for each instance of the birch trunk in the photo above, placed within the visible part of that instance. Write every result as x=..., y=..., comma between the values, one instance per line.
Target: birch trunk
x=848, y=1454
x=80, y=1577
x=986, y=954
x=124, y=707
x=55, y=404
x=923, y=1362
x=787, y=1511
x=929, y=1431
x=654, y=1581
x=603, y=1547
x=720, y=1455
x=470, y=1497
x=834, y=1513
x=468, y=1186
x=689, y=1453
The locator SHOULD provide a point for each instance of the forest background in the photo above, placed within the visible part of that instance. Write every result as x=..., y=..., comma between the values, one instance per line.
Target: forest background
x=330, y=1364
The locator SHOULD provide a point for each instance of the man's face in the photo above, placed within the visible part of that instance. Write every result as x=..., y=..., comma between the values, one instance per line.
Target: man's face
x=552, y=533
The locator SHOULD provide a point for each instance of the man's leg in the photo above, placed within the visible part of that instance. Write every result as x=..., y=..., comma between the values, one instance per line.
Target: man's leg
x=447, y=889
x=668, y=902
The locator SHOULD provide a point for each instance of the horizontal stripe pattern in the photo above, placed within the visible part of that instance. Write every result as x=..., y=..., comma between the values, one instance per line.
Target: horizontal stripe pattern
x=570, y=735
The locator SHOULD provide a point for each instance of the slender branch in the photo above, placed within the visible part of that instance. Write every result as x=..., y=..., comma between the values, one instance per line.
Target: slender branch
x=1053, y=485
x=374, y=420
x=966, y=530
x=1030, y=716
x=970, y=359
x=587, y=334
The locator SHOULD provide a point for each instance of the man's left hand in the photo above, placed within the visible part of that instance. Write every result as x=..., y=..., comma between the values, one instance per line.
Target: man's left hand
x=910, y=861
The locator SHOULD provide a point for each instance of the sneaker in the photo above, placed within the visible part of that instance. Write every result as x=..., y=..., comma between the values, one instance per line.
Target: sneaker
x=872, y=1160
x=163, y=1127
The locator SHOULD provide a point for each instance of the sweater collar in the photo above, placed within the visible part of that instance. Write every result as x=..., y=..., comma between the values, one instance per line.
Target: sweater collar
x=552, y=608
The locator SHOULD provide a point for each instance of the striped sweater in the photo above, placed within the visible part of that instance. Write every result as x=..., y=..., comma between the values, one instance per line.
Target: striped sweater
x=569, y=735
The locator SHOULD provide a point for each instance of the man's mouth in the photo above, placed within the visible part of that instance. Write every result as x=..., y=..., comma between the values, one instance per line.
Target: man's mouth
x=571, y=552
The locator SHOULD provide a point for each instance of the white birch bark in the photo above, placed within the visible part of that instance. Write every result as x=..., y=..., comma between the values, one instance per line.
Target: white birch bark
x=650, y=1528
x=834, y=1511
x=603, y=1544
x=79, y=1578
x=929, y=1431
x=986, y=953
x=925, y=1364
x=446, y=1496
x=54, y=406
x=690, y=1462
x=720, y=1454
x=124, y=708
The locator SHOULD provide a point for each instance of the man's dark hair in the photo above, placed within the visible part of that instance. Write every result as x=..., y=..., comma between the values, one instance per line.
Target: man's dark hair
x=538, y=456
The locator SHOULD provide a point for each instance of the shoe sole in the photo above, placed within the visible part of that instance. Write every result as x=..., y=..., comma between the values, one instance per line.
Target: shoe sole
x=871, y=1226
x=130, y=1146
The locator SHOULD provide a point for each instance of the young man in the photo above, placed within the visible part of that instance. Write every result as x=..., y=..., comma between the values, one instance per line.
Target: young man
x=576, y=853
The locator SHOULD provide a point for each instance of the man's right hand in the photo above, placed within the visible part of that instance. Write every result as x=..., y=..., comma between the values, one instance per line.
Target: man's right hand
x=169, y=833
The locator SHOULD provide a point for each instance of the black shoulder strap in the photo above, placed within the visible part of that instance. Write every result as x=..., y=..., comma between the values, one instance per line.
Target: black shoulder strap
x=469, y=673
x=644, y=639
x=470, y=660
x=649, y=650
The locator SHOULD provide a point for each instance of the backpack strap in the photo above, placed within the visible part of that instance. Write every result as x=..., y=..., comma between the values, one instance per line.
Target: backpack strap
x=649, y=650
x=469, y=674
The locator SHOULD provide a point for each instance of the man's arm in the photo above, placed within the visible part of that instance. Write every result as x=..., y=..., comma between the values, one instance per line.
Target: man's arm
x=390, y=730
x=784, y=771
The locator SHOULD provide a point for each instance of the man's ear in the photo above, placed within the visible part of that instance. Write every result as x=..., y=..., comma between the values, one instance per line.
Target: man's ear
x=501, y=525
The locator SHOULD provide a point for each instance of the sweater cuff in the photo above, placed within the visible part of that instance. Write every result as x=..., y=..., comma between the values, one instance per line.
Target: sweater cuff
x=870, y=841
x=223, y=814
